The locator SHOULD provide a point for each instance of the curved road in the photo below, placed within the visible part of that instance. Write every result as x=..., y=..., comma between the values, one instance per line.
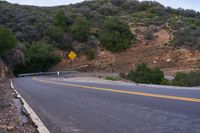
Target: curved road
x=80, y=107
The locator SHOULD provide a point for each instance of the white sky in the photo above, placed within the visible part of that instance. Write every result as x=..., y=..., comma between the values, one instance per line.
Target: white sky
x=44, y=2
x=187, y=4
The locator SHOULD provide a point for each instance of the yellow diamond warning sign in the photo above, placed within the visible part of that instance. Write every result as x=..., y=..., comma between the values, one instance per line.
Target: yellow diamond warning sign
x=72, y=55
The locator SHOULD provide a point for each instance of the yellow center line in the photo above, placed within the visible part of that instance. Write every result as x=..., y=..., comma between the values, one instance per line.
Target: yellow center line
x=196, y=100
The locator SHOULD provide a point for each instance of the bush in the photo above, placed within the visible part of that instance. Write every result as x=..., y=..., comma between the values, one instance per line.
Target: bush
x=118, y=2
x=59, y=38
x=113, y=78
x=157, y=76
x=166, y=82
x=55, y=33
x=159, y=10
x=14, y=56
x=92, y=41
x=186, y=33
x=85, y=10
x=148, y=35
x=108, y=9
x=90, y=53
x=148, y=19
x=122, y=75
x=66, y=43
x=187, y=38
x=187, y=79
x=80, y=29
x=180, y=79
x=131, y=6
x=63, y=20
x=143, y=74
x=59, y=19
x=115, y=35
x=7, y=40
x=39, y=57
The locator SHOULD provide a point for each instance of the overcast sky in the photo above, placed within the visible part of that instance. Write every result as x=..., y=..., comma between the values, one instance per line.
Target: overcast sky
x=187, y=4
x=44, y=2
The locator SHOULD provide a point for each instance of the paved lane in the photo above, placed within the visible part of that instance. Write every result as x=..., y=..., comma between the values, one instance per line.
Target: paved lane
x=69, y=109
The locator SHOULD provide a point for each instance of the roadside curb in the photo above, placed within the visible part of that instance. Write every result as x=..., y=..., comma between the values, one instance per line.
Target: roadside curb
x=132, y=84
x=40, y=125
x=170, y=87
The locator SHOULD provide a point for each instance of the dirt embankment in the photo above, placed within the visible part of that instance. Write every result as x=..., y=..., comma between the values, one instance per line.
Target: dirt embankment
x=3, y=70
x=13, y=117
x=156, y=53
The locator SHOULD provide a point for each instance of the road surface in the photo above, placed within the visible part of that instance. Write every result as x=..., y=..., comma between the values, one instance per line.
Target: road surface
x=81, y=107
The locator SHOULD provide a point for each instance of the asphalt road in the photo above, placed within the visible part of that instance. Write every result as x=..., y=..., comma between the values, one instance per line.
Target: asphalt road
x=78, y=107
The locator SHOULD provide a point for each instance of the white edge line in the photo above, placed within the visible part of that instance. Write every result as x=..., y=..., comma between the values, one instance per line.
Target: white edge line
x=40, y=125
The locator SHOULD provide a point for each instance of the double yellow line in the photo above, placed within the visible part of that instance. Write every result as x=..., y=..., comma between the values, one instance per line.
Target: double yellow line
x=196, y=100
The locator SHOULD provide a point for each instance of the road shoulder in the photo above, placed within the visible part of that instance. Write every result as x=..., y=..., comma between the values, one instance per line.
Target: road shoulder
x=41, y=128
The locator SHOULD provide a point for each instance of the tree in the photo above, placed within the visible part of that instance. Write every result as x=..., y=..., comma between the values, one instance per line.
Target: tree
x=115, y=35
x=55, y=33
x=157, y=76
x=108, y=9
x=80, y=30
x=143, y=74
x=39, y=57
x=190, y=79
x=63, y=20
x=7, y=40
x=59, y=19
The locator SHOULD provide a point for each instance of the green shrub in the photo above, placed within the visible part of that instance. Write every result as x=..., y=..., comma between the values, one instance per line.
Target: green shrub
x=90, y=53
x=39, y=57
x=108, y=9
x=148, y=19
x=7, y=40
x=187, y=38
x=55, y=33
x=190, y=79
x=166, y=82
x=143, y=74
x=63, y=19
x=180, y=79
x=157, y=76
x=59, y=38
x=115, y=35
x=113, y=78
x=59, y=19
x=80, y=30
x=159, y=10
x=186, y=32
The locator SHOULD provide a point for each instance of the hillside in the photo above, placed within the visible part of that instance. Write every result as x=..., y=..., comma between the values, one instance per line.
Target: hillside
x=97, y=31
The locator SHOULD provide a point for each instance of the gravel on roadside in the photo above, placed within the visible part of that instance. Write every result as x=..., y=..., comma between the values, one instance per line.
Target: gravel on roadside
x=13, y=116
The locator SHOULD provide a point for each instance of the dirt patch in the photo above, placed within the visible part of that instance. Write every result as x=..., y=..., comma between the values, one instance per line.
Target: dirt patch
x=13, y=117
x=155, y=53
x=163, y=36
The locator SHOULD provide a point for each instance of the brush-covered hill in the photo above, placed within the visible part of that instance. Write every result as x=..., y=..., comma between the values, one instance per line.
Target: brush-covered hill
x=105, y=34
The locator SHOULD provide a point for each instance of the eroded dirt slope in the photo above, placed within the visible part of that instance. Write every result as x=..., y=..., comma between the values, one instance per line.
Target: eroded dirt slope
x=156, y=53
